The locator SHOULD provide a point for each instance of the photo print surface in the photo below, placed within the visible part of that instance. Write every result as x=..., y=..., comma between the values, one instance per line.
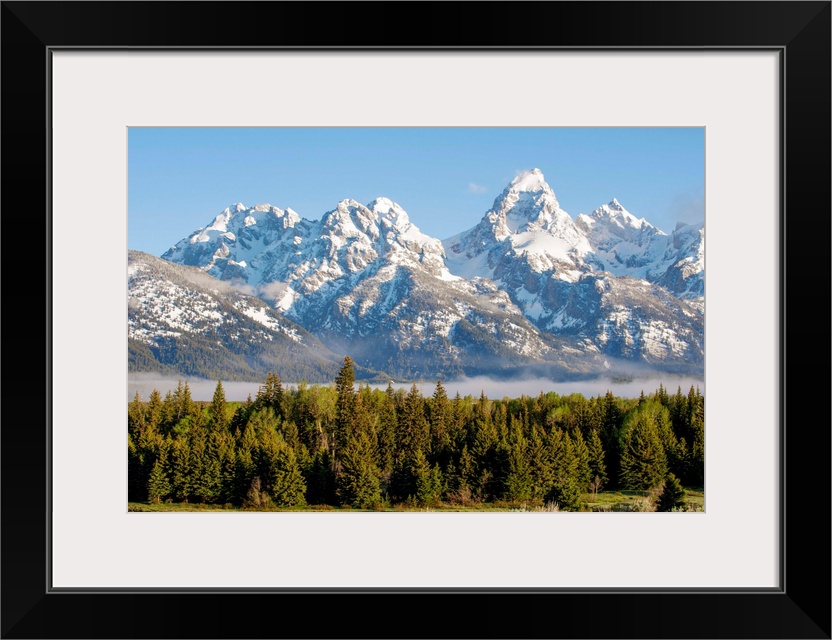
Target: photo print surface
x=412, y=319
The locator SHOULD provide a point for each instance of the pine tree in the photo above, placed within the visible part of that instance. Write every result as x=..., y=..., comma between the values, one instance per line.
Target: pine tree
x=158, y=486
x=561, y=455
x=227, y=458
x=402, y=483
x=565, y=489
x=218, y=420
x=581, y=414
x=358, y=482
x=427, y=481
x=456, y=427
x=245, y=468
x=345, y=405
x=674, y=449
x=365, y=416
x=300, y=412
x=484, y=450
x=279, y=471
x=271, y=394
x=540, y=468
x=439, y=418
x=238, y=421
x=467, y=473
x=169, y=413
x=597, y=467
x=320, y=484
x=204, y=467
x=518, y=481
x=662, y=395
x=565, y=493
x=437, y=481
x=484, y=405
x=264, y=420
x=180, y=462
x=500, y=417
x=679, y=413
x=182, y=402
x=672, y=496
x=388, y=425
x=643, y=460
x=153, y=411
x=584, y=471
x=610, y=436
x=135, y=417
x=413, y=428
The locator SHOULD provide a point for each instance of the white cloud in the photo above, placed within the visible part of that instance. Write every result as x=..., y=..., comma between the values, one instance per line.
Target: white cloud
x=473, y=187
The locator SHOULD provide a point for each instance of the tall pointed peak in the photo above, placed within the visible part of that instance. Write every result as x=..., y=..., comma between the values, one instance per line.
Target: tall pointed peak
x=530, y=181
x=527, y=197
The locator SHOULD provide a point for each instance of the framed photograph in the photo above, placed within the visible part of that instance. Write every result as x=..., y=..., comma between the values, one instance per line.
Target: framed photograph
x=119, y=115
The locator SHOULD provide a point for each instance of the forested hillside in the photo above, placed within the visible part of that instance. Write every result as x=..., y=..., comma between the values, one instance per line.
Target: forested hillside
x=370, y=449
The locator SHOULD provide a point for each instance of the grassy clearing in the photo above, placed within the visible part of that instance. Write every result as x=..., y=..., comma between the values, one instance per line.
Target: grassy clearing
x=625, y=500
x=613, y=501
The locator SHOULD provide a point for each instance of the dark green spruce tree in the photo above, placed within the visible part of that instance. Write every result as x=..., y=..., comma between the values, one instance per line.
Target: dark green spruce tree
x=158, y=485
x=643, y=459
x=672, y=496
x=218, y=420
x=358, y=481
x=345, y=405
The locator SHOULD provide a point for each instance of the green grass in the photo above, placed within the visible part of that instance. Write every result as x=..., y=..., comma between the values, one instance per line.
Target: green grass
x=622, y=500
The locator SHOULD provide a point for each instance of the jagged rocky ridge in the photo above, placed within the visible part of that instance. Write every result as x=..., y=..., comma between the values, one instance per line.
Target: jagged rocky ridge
x=528, y=290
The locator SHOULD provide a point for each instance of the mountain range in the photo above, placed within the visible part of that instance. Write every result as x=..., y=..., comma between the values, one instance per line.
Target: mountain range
x=527, y=291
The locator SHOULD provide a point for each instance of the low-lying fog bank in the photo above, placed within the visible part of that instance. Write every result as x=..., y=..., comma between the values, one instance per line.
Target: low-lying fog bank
x=202, y=389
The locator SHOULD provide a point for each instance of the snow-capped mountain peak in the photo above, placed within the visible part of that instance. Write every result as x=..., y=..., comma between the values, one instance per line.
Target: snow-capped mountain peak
x=615, y=212
x=389, y=213
x=525, y=222
x=528, y=197
x=382, y=205
x=527, y=278
x=530, y=181
x=286, y=258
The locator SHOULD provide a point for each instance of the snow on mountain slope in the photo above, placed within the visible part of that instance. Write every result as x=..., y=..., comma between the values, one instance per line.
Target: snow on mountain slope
x=526, y=287
x=366, y=281
x=525, y=222
x=526, y=225
x=286, y=257
x=181, y=318
x=627, y=246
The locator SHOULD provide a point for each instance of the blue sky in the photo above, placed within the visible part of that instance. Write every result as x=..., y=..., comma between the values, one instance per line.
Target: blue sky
x=179, y=179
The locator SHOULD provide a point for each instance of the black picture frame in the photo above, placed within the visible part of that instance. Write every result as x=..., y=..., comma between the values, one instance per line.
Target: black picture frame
x=799, y=31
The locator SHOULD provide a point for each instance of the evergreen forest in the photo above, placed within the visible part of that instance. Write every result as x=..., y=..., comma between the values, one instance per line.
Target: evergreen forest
x=342, y=446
